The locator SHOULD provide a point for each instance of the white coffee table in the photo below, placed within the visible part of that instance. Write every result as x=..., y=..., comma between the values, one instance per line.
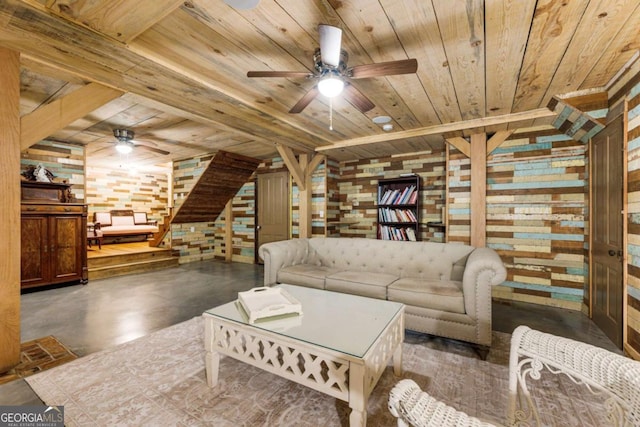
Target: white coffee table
x=339, y=346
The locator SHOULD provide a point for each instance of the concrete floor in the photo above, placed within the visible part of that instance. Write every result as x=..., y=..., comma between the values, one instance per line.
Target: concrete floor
x=108, y=312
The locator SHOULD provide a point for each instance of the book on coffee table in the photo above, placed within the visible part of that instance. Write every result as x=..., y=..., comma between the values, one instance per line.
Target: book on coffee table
x=263, y=303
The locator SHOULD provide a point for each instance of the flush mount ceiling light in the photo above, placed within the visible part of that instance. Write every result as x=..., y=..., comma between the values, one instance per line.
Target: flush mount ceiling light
x=380, y=120
x=124, y=137
x=242, y=4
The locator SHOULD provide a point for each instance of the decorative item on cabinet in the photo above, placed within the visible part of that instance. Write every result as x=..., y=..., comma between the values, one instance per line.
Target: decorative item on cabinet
x=398, y=208
x=53, y=243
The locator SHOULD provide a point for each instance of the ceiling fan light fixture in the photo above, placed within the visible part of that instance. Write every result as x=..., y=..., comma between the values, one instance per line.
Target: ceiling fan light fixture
x=124, y=147
x=123, y=134
x=331, y=86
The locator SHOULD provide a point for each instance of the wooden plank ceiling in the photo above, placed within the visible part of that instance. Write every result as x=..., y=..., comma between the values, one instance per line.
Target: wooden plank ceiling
x=179, y=69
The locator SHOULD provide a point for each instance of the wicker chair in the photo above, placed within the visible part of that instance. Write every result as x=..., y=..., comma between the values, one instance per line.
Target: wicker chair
x=613, y=377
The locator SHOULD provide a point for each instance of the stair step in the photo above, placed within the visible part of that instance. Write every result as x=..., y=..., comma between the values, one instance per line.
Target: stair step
x=141, y=266
x=130, y=258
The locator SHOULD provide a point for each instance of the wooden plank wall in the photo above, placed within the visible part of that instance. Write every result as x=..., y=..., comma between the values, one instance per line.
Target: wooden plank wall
x=108, y=189
x=65, y=161
x=332, y=214
x=633, y=236
x=225, y=174
x=358, y=188
x=537, y=195
x=458, y=197
x=318, y=204
x=207, y=240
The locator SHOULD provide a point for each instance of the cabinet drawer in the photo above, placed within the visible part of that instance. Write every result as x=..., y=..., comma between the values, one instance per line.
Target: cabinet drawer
x=52, y=209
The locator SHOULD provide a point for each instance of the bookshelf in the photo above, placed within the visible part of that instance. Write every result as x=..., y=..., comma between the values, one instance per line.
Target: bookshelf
x=398, y=208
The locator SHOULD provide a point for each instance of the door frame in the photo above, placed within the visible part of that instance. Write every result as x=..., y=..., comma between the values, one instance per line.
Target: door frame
x=617, y=110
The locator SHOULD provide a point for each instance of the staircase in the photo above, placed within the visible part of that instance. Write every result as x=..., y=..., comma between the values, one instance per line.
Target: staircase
x=163, y=229
x=141, y=260
x=225, y=175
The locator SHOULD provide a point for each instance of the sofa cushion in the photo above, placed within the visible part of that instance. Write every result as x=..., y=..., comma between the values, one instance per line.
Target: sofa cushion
x=140, y=218
x=362, y=283
x=311, y=276
x=104, y=218
x=118, y=221
x=426, y=260
x=117, y=230
x=442, y=295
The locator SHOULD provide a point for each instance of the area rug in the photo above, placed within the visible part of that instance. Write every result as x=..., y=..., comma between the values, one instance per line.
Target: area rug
x=159, y=380
x=39, y=355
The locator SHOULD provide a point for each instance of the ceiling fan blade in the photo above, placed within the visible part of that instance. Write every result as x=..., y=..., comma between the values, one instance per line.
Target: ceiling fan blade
x=357, y=98
x=330, y=44
x=405, y=66
x=293, y=74
x=154, y=149
x=305, y=100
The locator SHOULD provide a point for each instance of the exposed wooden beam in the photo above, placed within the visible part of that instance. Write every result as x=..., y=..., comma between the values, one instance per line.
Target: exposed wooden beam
x=122, y=20
x=461, y=144
x=59, y=113
x=228, y=231
x=314, y=163
x=497, y=139
x=28, y=29
x=156, y=54
x=10, y=209
x=292, y=164
x=494, y=142
x=441, y=129
x=478, y=189
x=304, y=198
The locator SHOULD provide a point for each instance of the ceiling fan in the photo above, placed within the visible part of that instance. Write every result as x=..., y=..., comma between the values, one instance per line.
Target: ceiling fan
x=333, y=75
x=125, y=143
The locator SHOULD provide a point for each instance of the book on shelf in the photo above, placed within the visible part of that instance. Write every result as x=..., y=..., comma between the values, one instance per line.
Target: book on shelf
x=413, y=198
x=396, y=215
x=398, y=197
x=396, y=233
x=407, y=195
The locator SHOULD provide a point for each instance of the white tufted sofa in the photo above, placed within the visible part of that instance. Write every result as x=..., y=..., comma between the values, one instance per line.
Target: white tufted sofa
x=446, y=287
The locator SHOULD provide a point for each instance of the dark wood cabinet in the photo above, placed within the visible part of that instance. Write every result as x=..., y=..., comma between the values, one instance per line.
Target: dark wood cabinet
x=53, y=238
x=399, y=208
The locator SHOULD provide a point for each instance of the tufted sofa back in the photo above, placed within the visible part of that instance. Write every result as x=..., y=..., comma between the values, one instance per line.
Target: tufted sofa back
x=425, y=260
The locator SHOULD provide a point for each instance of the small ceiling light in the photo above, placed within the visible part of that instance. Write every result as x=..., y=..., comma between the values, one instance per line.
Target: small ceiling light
x=331, y=86
x=387, y=127
x=242, y=4
x=380, y=120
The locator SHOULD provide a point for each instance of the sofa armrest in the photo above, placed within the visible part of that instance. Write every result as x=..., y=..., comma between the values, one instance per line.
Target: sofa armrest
x=277, y=255
x=484, y=269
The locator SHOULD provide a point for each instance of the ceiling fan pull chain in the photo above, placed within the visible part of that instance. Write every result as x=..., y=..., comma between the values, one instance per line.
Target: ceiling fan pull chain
x=330, y=113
